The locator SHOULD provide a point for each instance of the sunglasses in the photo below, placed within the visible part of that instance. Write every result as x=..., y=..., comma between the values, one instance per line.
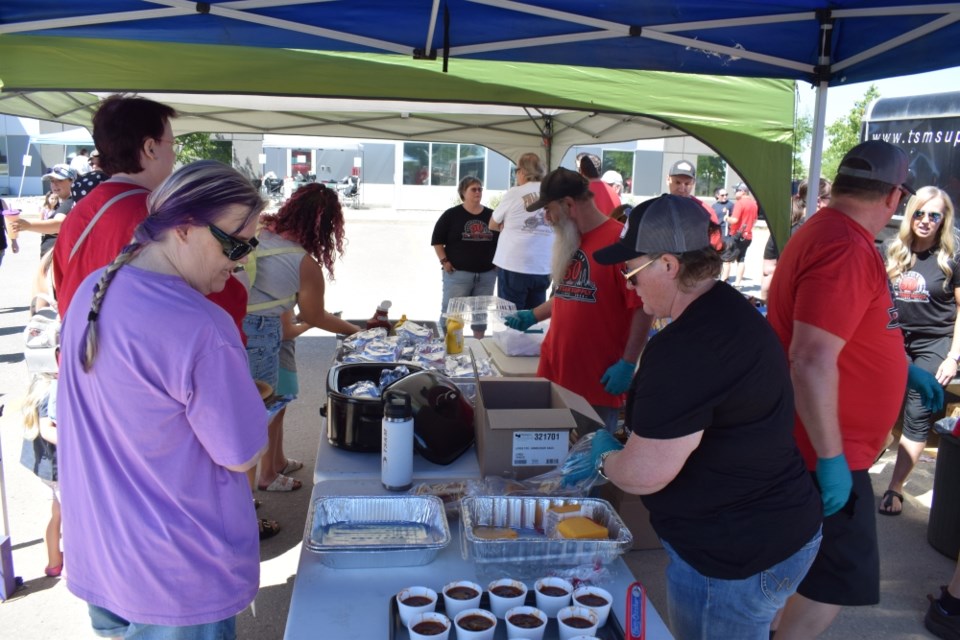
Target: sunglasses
x=935, y=216
x=631, y=276
x=234, y=248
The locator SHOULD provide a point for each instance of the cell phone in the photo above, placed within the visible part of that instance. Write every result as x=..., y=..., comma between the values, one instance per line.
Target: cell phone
x=636, y=612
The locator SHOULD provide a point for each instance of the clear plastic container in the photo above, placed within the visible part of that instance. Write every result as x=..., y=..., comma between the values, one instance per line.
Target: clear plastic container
x=488, y=310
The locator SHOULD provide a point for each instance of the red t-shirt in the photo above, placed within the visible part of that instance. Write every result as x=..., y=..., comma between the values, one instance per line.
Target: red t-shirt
x=604, y=196
x=831, y=276
x=590, y=323
x=113, y=231
x=716, y=238
x=746, y=212
x=233, y=300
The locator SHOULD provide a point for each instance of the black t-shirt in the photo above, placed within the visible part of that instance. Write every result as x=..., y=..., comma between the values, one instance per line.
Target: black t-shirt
x=743, y=500
x=467, y=239
x=923, y=306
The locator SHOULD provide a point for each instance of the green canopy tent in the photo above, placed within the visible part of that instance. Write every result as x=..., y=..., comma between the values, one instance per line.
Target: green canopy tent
x=510, y=107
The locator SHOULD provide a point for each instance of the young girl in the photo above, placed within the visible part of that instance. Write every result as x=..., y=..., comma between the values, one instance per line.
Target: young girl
x=39, y=454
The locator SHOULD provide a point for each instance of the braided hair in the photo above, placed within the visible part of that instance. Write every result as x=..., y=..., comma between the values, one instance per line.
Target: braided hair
x=195, y=195
x=312, y=218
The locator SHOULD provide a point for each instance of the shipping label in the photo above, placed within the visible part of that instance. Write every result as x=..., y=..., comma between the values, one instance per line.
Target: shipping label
x=539, y=448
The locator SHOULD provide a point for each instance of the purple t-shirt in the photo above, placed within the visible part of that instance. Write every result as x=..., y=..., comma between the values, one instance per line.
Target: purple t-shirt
x=157, y=530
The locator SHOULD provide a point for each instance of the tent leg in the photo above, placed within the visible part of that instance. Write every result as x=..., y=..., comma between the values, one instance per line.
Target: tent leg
x=816, y=148
x=8, y=581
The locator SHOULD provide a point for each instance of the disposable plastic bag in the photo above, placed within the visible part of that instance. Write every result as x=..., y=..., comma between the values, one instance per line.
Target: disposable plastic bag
x=518, y=343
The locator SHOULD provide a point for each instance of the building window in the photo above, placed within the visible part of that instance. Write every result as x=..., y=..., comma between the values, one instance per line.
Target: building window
x=4, y=163
x=442, y=164
x=711, y=173
x=622, y=163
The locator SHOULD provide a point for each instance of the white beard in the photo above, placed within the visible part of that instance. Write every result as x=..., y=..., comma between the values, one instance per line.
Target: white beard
x=566, y=241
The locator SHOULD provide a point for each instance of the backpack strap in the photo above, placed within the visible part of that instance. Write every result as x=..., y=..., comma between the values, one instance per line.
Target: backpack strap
x=269, y=304
x=98, y=214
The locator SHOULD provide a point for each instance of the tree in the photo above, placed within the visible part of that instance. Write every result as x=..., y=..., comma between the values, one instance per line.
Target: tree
x=844, y=134
x=202, y=146
x=802, y=136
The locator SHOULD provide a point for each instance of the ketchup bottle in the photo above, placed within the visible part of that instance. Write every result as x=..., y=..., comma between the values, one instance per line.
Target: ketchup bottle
x=380, y=318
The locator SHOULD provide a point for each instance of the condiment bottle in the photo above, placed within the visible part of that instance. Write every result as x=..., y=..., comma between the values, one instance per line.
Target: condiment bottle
x=380, y=318
x=396, y=442
x=454, y=340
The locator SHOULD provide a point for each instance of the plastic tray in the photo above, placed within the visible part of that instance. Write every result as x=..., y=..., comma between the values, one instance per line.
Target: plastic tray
x=532, y=547
x=480, y=309
x=398, y=631
x=350, y=532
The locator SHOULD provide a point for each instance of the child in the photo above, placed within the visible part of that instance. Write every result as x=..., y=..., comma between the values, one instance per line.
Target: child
x=39, y=454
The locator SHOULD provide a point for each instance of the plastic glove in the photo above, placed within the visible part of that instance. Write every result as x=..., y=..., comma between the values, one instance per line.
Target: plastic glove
x=833, y=475
x=617, y=378
x=521, y=320
x=586, y=467
x=925, y=383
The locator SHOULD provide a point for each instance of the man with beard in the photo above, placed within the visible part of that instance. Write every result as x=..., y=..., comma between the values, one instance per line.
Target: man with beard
x=598, y=329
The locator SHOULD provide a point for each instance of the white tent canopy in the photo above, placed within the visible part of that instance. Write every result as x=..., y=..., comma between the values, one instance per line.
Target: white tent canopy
x=70, y=137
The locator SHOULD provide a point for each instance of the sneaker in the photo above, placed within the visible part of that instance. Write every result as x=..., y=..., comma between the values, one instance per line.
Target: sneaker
x=939, y=623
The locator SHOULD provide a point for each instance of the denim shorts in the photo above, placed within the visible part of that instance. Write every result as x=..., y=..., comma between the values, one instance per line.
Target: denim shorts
x=703, y=607
x=107, y=624
x=263, y=347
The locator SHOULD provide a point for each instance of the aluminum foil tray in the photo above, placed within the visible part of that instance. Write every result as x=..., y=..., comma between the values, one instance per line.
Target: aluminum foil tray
x=526, y=516
x=350, y=532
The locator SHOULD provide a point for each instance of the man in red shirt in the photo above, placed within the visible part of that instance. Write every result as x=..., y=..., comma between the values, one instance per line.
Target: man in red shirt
x=741, y=221
x=137, y=150
x=605, y=197
x=830, y=306
x=681, y=180
x=598, y=326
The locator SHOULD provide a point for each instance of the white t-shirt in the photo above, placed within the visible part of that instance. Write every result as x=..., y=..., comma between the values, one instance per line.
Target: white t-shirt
x=526, y=240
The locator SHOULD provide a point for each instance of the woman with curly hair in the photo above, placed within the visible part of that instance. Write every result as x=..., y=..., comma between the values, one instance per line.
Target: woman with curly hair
x=296, y=244
x=922, y=266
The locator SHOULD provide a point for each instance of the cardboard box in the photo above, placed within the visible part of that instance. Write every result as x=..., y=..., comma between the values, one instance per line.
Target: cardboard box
x=523, y=425
x=633, y=514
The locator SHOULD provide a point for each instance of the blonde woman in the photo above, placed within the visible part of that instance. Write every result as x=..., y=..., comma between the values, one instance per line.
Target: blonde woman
x=922, y=266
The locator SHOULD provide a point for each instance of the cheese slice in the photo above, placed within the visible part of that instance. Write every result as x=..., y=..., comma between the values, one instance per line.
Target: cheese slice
x=494, y=533
x=581, y=528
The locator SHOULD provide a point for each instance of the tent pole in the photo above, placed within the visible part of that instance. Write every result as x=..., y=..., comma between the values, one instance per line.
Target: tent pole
x=816, y=147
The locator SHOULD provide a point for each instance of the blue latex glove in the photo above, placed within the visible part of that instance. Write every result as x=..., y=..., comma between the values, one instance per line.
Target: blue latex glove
x=833, y=475
x=925, y=383
x=582, y=468
x=521, y=320
x=617, y=378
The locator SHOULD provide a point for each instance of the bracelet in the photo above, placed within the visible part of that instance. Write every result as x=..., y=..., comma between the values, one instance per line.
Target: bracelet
x=444, y=261
x=953, y=356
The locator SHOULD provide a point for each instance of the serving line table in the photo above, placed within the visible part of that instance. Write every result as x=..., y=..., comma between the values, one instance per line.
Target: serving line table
x=354, y=604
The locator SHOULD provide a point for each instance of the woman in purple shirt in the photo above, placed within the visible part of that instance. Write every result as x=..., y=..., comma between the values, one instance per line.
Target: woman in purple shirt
x=159, y=420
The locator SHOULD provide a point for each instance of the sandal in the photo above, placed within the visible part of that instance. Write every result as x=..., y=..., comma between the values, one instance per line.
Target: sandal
x=268, y=528
x=886, y=503
x=281, y=483
x=291, y=466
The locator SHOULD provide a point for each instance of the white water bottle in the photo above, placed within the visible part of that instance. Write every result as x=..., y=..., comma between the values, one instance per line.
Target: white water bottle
x=396, y=462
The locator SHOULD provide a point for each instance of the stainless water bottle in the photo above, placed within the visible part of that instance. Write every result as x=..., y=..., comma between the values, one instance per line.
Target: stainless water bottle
x=396, y=461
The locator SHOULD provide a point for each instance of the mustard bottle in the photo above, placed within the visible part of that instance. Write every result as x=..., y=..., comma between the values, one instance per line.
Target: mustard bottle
x=454, y=338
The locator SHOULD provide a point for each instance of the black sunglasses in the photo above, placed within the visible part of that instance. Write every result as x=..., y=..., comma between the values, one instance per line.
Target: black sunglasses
x=935, y=216
x=233, y=248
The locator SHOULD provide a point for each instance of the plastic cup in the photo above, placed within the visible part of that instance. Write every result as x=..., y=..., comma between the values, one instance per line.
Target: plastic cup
x=453, y=606
x=9, y=217
x=568, y=614
x=499, y=605
x=468, y=634
x=429, y=617
x=525, y=633
x=408, y=611
x=550, y=605
x=602, y=611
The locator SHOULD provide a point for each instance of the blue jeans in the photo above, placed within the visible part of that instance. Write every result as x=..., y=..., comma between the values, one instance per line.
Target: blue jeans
x=705, y=608
x=463, y=284
x=525, y=290
x=107, y=624
x=263, y=347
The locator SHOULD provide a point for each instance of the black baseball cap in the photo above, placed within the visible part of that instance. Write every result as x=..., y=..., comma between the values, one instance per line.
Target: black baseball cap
x=560, y=183
x=683, y=168
x=880, y=161
x=668, y=224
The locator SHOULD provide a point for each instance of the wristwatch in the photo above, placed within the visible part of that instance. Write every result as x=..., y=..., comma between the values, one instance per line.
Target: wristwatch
x=954, y=356
x=602, y=458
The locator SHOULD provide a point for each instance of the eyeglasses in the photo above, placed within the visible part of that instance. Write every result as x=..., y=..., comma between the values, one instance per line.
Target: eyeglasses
x=475, y=189
x=177, y=146
x=631, y=276
x=935, y=216
x=234, y=248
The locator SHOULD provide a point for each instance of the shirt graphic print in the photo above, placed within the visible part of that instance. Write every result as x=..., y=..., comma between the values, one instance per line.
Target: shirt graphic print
x=576, y=284
x=476, y=231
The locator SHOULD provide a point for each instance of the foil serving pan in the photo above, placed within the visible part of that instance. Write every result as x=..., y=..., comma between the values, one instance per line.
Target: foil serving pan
x=526, y=515
x=350, y=532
